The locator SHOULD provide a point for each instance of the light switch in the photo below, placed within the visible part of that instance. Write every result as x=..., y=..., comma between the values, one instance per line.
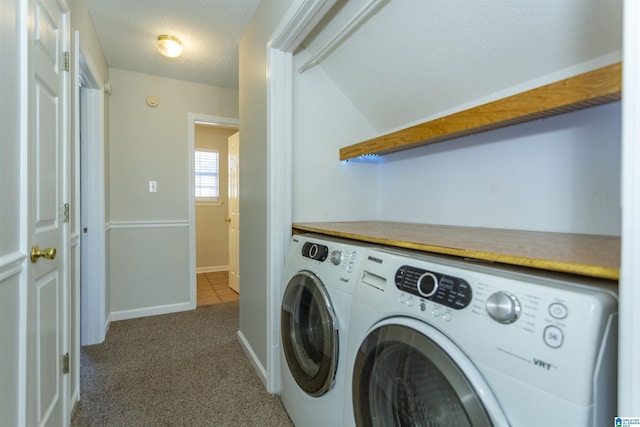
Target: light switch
x=153, y=186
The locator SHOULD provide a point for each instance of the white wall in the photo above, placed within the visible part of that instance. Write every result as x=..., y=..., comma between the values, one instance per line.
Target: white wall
x=89, y=42
x=324, y=188
x=559, y=174
x=149, y=231
x=12, y=275
x=253, y=176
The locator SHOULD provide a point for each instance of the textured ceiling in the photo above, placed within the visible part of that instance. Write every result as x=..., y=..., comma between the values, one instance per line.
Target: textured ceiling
x=210, y=31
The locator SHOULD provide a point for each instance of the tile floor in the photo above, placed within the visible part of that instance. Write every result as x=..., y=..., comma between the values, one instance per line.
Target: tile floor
x=213, y=288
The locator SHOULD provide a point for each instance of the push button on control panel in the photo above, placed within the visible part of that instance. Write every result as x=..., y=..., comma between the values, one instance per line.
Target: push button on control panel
x=558, y=310
x=553, y=336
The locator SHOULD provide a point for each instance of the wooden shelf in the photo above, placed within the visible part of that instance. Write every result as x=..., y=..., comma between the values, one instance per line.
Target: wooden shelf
x=595, y=87
x=582, y=254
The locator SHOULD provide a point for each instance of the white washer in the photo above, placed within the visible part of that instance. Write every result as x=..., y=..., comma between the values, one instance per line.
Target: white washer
x=320, y=275
x=438, y=341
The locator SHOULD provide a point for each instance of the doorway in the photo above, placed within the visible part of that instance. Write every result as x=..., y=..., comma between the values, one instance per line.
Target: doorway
x=209, y=253
x=211, y=182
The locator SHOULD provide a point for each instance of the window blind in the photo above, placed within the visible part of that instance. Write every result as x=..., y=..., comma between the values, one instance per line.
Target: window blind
x=207, y=182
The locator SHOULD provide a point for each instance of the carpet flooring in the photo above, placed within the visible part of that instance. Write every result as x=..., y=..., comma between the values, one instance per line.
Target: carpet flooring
x=181, y=369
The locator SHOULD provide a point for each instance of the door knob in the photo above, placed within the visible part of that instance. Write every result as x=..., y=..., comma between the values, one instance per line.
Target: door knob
x=227, y=219
x=36, y=253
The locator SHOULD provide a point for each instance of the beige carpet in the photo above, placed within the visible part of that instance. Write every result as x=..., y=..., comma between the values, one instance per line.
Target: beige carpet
x=182, y=369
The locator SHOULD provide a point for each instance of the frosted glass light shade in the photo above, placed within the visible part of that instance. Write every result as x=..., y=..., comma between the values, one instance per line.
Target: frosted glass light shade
x=169, y=46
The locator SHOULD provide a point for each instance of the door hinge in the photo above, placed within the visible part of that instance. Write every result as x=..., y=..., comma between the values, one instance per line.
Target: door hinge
x=65, y=363
x=66, y=61
x=65, y=213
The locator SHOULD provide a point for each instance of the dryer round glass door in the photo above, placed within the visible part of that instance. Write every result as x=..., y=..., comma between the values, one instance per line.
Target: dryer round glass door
x=404, y=377
x=309, y=332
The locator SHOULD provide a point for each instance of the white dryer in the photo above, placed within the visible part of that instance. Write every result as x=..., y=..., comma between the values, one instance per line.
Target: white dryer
x=320, y=275
x=443, y=342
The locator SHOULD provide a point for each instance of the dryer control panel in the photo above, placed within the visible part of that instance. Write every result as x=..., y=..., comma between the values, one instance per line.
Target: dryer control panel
x=449, y=291
x=340, y=256
x=315, y=251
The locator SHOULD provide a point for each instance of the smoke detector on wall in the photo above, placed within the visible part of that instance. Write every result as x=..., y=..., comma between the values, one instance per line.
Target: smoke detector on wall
x=152, y=101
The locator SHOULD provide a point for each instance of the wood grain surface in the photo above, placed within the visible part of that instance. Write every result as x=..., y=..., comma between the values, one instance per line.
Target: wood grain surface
x=595, y=87
x=582, y=254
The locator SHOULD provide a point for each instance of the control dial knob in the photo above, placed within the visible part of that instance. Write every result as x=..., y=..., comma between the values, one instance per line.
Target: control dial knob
x=336, y=257
x=503, y=307
x=427, y=284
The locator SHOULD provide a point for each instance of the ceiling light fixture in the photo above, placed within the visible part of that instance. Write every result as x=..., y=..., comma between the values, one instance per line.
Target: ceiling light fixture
x=169, y=46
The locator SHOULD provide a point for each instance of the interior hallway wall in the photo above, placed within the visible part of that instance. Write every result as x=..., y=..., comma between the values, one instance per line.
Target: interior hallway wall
x=253, y=175
x=212, y=232
x=150, y=231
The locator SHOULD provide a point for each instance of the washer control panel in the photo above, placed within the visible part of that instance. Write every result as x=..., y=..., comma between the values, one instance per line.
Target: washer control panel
x=449, y=291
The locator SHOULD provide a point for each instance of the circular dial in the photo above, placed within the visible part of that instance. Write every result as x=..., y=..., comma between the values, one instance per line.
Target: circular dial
x=427, y=284
x=503, y=307
x=336, y=257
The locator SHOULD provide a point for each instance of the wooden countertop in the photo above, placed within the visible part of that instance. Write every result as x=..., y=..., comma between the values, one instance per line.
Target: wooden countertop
x=583, y=254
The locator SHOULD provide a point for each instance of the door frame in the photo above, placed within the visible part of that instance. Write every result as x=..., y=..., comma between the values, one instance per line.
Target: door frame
x=90, y=174
x=300, y=19
x=629, y=296
x=193, y=120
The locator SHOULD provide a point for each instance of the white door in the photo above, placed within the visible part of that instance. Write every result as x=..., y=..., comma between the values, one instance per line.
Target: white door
x=47, y=274
x=234, y=211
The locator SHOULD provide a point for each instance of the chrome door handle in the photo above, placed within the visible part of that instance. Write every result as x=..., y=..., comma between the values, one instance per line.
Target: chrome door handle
x=36, y=253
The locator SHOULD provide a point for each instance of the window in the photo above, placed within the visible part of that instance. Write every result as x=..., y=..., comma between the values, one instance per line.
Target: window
x=207, y=182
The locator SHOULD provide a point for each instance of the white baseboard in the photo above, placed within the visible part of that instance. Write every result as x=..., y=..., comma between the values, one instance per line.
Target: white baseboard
x=107, y=324
x=73, y=402
x=262, y=373
x=212, y=269
x=149, y=311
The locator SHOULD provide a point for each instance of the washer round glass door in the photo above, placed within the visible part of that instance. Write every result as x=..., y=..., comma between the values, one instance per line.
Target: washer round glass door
x=407, y=373
x=309, y=331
